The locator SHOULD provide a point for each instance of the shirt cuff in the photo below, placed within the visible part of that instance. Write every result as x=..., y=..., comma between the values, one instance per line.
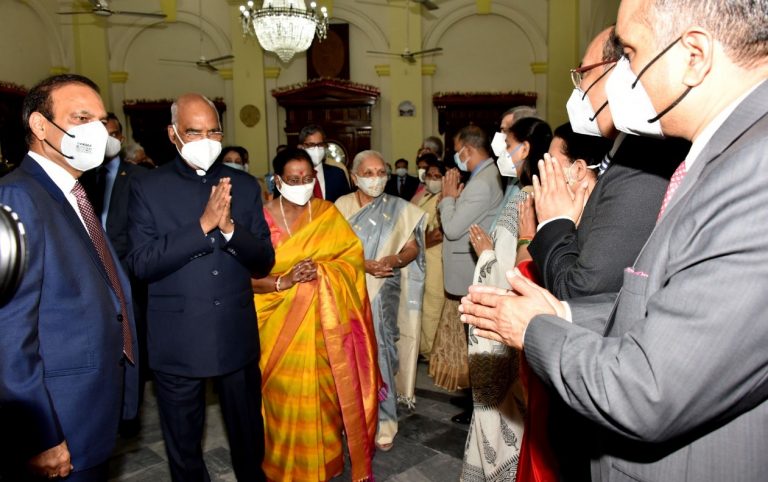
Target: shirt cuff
x=227, y=236
x=544, y=223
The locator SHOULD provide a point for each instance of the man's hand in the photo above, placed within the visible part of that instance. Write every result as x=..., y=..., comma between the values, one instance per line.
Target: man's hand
x=554, y=197
x=503, y=315
x=452, y=186
x=54, y=462
x=217, y=207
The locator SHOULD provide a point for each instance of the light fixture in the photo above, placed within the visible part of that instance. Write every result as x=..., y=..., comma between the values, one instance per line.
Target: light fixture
x=284, y=26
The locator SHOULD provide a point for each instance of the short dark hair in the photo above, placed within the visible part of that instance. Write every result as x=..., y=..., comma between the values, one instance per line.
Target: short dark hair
x=112, y=117
x=427, y=157
x=578, y=146
x=473, y=136
x=307, y=131
x=739, y=25
x=287, y=155
x=432, y=161
x=402, y=160
x=39, y=99
x=538, y=135
x=242, y=151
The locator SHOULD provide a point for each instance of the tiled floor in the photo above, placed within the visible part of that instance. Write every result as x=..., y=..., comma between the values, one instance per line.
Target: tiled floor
x=428, y=447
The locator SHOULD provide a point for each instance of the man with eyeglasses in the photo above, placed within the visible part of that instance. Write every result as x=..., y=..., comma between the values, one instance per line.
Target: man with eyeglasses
x=331, y=182
x=198, y=236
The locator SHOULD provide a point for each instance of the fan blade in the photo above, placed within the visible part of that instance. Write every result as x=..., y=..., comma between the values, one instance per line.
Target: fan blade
x=428, y=51
x=382, y=53
x=179, y=61
x=139, y=14
x=207, y=66
x=427, y=4
x=221, y=59
x=74, y=13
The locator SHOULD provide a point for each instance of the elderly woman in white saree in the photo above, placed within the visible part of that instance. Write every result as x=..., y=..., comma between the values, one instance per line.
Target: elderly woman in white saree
x=496, y=431
x=392, y=232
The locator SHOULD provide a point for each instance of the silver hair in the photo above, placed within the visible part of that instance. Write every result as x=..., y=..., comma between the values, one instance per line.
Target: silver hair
x=739, y=25
x=435, y=144
x=363, y=155
x=175, y=110
x=131, y=150
x=521, y=112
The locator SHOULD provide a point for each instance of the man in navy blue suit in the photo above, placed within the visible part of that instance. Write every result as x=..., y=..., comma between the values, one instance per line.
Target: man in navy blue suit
x=331, y=182
x=198, y=235
x=67, y=340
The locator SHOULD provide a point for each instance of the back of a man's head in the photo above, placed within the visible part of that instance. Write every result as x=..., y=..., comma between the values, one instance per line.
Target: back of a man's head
x=434, y=144
x=473, y=136
x=741, y=26
x=39, y=98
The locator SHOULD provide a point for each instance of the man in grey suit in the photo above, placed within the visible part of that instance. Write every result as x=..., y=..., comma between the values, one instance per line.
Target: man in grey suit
x=676, y=381
x=461, y=207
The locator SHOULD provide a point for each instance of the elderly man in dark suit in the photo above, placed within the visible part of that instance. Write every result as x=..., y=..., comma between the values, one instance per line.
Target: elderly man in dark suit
x=675, y=380
x=199, y=235
x=67, y=341
x=331, y=183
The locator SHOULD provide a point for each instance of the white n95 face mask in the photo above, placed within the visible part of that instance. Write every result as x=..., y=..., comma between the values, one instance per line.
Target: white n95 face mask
x=201, y=154
x=298, y=195
x=581, y=114
x=434, y=185
x=113, y=147
x=317, y=154
x=507, y=167
x=499, y=143
x=84, y=145
x=422, y=174
x=631, y=108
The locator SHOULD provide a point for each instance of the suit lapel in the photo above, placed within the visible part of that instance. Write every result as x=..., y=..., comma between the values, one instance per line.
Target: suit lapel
x=32, y=168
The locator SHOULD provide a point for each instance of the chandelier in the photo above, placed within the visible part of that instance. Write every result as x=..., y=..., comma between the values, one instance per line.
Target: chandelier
x=284, y=26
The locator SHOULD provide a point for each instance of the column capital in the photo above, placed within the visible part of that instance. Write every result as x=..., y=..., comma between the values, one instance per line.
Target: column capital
x=428, y=69
x=225, y=74
x=483, y=7
x=272, y=72
x=539, y=67
x=118, y=77
x=58, y=70
x=382, y=70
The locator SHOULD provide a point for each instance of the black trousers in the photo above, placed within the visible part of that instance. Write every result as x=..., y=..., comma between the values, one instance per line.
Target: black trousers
x=181, y=401
x=100, y=473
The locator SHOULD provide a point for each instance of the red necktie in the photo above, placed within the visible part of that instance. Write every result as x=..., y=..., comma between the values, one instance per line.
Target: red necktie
x=97, y=238
x=317, y=191
x=674, y=183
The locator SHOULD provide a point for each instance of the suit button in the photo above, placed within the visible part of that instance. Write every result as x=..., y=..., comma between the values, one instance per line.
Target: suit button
x=215, y=272
x=119, y=317
x=204, y=180
x=216, y=302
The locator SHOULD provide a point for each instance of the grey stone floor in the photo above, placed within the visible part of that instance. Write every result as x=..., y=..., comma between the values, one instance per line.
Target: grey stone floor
x=428, y=447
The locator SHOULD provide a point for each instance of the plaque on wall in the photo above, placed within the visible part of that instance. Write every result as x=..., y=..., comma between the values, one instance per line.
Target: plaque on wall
x=330, y=58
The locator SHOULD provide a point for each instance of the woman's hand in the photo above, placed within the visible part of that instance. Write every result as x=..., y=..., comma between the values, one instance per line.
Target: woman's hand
x=526, y=219
x=302, y=272
x=377, y=269
x=433, y=237
x=479, y=239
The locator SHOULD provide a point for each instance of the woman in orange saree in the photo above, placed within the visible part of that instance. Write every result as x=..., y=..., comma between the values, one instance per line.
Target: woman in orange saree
x=318, y=349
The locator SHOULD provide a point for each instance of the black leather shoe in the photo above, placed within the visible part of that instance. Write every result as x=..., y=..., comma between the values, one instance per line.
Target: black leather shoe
x=464, y=402
x=463, y=418
x=129, y=428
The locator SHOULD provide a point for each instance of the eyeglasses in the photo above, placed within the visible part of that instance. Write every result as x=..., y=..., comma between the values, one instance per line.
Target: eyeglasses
x=297, y=181
x=310, y=145
x=195, y=135
x=577, y=75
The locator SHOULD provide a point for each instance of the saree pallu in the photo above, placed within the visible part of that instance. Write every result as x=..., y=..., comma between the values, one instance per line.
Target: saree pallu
x=318, y=355
x=384, y=226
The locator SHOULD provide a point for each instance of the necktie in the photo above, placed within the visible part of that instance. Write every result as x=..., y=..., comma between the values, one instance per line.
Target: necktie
x=317, y=191
x=97, y=238
x=674, y=183
x=401, y=184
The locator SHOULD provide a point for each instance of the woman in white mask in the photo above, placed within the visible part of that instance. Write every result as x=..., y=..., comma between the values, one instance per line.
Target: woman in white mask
x=434, y=293
x=392, y=232
x=312, y=384
x=496, y=430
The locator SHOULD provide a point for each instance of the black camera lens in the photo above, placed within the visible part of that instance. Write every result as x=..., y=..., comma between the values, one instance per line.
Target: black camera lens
x=13, y=253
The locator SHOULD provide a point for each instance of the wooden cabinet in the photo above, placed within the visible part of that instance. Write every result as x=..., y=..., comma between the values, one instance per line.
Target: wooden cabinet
x=342, y=108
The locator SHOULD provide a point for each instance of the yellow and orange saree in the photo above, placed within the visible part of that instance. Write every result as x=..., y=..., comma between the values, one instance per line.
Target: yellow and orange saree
x=318, y=354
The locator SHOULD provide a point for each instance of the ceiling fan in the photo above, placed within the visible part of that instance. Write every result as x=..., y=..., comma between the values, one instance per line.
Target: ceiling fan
x=202, y=62
x=406, y=54
x=101, y=8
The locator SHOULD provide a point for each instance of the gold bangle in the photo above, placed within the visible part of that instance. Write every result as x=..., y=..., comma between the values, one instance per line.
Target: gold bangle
x=277, y=283
x=399, y=261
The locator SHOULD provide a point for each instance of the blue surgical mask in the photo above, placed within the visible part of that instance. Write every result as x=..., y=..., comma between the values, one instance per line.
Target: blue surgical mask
x=462, y=165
